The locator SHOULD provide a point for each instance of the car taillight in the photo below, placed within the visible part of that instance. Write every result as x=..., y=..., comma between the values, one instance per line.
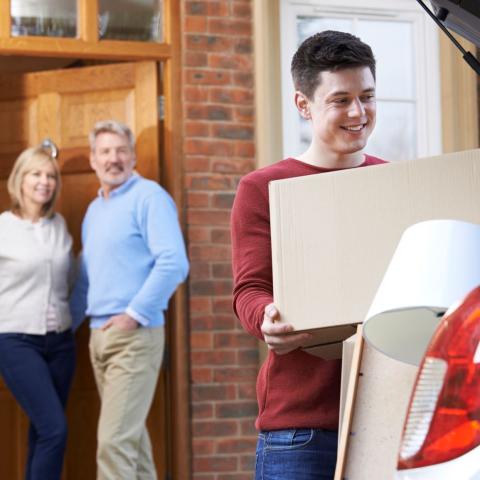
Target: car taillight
x=443, y=420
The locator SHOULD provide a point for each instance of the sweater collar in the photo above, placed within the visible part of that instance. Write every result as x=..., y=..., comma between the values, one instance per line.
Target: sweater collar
x=122, y=188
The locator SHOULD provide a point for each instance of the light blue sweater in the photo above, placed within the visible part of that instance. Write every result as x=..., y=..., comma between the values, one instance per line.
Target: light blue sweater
x=133, y=255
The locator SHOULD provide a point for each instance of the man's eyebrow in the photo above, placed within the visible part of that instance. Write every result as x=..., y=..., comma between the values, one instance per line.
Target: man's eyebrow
x=341, y=92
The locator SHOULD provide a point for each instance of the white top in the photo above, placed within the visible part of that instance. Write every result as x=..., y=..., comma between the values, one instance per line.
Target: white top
x=35, y=263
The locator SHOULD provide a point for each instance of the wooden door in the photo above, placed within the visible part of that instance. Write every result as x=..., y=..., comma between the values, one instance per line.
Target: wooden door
x=64, y=105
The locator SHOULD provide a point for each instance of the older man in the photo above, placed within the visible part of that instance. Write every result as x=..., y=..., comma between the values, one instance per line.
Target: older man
x=132, y=261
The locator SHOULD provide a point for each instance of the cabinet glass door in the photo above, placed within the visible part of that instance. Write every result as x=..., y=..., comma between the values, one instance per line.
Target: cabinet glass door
x=137, y=20
x=46, y=18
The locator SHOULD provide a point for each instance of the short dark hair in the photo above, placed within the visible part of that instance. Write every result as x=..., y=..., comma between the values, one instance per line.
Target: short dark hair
x=328, y=51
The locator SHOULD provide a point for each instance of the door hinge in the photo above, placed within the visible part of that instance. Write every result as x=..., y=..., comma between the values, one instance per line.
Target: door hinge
x=161, y=107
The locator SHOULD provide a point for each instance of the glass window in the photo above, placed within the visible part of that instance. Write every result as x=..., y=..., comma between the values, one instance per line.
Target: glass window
x=46, y=18
x=138, y=20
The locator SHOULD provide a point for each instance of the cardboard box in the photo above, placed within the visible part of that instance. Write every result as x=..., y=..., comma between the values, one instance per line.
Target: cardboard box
x=333, y=234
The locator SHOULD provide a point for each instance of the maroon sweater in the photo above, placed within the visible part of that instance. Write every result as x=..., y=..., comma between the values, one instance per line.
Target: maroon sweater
x=296, y=390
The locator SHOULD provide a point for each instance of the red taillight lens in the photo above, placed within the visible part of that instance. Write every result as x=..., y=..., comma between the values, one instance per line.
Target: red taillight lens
x=443, y=420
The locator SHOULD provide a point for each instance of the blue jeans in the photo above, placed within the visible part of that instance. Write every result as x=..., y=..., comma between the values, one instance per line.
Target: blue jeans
x=38, y=370
x=300, y=454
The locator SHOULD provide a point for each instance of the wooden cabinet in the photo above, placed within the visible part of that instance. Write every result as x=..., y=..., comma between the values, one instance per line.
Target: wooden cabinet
x=87, y=43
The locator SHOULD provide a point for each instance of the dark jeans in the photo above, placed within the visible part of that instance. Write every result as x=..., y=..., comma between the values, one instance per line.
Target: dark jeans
x=300, y=454
x=38, y=370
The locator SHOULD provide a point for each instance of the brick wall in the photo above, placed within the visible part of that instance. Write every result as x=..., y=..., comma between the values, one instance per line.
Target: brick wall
x=219, y=149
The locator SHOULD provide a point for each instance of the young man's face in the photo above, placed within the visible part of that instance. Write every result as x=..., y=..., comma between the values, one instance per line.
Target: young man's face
x=342, y=110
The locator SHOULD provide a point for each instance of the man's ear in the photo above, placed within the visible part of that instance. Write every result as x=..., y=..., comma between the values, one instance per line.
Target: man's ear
x=303, y=105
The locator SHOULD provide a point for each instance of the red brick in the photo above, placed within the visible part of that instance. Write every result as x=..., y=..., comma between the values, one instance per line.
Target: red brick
x=196, y=93
x=234, y=340
x=243, y=45
x=214, y=357
x=244, y=115
x=242, y=10
x=208, y=182
x=210, y=8
x=222, y=270
x=212, y=322
x=245, y=149
x=211, y=287
x=222, y=305
x=230, y=95
x=235, y=476
x=209, y=147
x=247, y=391
x=229, y=26
x=248, y=357
x=201, y=376
x=195, y=59
x=221, y=235
x=219, y=428
x=208, y=252
x=233, y=132
x=235, y=374
x=247, y=462
x=209, y=43
x=199, y=235
x=243, y=79
x=198, y=199
x=195, y=24
x=203, y=476
x=197, y=129
x=223, y=200
x=200, y=305
x=247, y=427
x=238, y=409
x=195, y=76
x=200, y=270
x=236, y=445
x=229, y=61
x=203, y=446
x=208, y=217
x=215, y=464
x=197, y=164
x=202, y=393
x=233, y=165
x=201, y=340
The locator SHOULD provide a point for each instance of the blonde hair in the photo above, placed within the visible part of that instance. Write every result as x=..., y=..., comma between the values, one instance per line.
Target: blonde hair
x=26, y=162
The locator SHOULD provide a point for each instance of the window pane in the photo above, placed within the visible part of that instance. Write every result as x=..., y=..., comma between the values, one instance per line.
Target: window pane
x=308, y=26
x=47, y=18
x=395, y=57
x=139, y=20
x=394, y=136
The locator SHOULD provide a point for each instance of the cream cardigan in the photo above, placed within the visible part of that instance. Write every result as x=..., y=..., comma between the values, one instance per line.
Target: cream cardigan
x=32, y=274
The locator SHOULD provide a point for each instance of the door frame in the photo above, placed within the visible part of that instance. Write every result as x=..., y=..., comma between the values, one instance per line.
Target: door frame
x=171, y=177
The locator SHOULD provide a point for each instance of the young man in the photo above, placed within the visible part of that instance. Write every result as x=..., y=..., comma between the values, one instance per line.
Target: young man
x=133, y=260
x=298, y=394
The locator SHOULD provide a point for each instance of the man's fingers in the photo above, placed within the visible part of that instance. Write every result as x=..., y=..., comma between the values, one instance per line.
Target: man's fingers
x=272, y=312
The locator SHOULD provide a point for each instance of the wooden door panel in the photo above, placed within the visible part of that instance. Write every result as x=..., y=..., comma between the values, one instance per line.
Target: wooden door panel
x=64, y=105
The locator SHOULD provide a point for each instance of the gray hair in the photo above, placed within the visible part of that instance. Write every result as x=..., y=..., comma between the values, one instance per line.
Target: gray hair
x=110, y=126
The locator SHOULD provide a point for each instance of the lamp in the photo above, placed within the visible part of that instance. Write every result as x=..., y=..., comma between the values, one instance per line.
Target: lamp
x=436, y=263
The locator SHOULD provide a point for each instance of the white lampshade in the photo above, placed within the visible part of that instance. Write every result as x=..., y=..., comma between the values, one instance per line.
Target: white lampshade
x=436, y=263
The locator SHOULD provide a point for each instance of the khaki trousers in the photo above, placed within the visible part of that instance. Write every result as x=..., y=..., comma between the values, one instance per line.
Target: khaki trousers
x=126, y=366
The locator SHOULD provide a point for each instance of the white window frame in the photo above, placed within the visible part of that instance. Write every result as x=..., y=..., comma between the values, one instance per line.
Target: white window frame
x=426, y=47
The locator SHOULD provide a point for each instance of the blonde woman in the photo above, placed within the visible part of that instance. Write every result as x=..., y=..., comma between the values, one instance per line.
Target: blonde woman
x=37, y=354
